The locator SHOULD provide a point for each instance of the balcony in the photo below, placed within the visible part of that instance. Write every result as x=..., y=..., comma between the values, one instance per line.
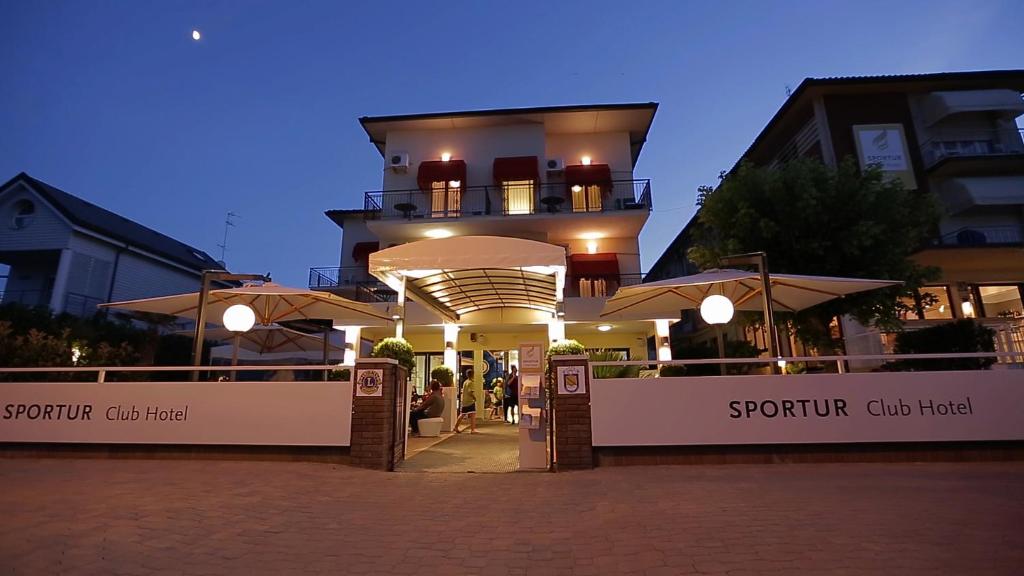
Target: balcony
x=356, y=284
x=982, y=236
x=353, y=282
x=540, y=199
x=964, y=152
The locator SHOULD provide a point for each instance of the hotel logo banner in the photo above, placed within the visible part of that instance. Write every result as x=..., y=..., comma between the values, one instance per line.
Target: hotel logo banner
x=252, y=413
x=885, y=145
x=809, y=408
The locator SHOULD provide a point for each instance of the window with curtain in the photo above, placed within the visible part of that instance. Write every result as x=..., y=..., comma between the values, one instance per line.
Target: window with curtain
x=445, y=199
x=586, y=198
x=518, y=196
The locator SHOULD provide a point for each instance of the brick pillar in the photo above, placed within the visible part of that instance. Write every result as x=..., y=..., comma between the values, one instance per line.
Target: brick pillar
x=573, y=442
x=378, y=422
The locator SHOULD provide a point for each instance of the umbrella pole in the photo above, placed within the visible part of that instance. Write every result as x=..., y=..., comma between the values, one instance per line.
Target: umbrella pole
x=721, y=348
x=234, y=352
x=327, y=344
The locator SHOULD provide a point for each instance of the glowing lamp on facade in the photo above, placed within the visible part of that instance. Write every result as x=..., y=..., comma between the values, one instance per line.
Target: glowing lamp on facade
x=716, y=309
x=577, y=188
x=438, y=233
x=604, y=327
x=446, y=156
x=454, y=183
x=196, y=35
x=592, y=247
x=967, y=308
x=585, y=160
x=239, y=318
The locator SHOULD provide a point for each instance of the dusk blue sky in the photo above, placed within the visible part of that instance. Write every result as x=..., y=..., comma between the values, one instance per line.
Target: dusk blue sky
x=114, y=102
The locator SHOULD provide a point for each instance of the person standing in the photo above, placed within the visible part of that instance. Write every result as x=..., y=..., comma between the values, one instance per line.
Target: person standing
x=468, y=404
x=511, y=404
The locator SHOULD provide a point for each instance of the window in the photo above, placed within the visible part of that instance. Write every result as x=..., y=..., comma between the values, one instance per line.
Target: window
x=23, y=213
x=586, y=198
x=929, y=303
x=1001, y=301
x=518, y=196
x=445, y=199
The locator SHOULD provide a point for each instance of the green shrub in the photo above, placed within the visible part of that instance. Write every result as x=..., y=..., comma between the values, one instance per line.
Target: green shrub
x=342, y=375
x=948, y=338
x=443, y=375
x=668, y=371
x=611, y=371
x=396, y=349
x=566, y=348
x=733, y=349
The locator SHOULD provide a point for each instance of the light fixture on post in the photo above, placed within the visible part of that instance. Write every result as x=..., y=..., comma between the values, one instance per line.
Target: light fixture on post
x=238, y=319
x=760, y=259
x=717, y=310
x=207, y=277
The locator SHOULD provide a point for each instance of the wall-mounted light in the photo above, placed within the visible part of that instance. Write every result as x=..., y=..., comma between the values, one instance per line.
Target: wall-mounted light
x=967, y=308
x=449, y=345
x=604, y=327
x=446, y=156
x=585, y=160
x=454, y=183
x=592, y=247
x=577, y=188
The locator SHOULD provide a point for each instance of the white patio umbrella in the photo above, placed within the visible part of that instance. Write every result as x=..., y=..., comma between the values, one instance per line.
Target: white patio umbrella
x=271, y=339
x=271, y=302
x=790, y=293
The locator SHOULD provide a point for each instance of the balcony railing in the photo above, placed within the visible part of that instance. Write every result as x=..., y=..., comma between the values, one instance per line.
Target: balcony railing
x=546, y=198
x=356, y=283
x=28, y=298
x=983, y=236
x=971, y=143
x=353, y=282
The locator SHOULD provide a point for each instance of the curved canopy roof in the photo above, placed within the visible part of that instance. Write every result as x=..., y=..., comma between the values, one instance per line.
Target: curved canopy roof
x=468, y=273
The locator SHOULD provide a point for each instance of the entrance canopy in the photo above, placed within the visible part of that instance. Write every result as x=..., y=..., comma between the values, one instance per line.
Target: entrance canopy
x=463, y=274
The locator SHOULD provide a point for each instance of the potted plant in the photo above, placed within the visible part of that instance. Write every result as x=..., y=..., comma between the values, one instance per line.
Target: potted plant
x=396, y=349
x=444, y=376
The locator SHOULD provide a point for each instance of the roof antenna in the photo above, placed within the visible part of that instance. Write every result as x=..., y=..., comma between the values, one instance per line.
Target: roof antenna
x=224, y=245
x=789, y=91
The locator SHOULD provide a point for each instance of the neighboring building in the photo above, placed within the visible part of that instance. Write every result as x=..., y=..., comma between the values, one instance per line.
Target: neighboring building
x=69, y=255
x=558, y=175
x=953, y=134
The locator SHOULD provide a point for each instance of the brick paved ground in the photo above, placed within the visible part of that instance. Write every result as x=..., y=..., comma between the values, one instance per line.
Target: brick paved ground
x=195, y=517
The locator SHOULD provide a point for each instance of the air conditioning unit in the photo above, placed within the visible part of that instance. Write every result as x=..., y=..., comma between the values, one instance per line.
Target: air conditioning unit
x=554, y=164
x=398, y=161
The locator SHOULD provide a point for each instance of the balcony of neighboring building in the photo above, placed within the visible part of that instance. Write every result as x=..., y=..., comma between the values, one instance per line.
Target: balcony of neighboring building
x=974, y=236
x=964, y=152
x=352, y=282
x=551, y=209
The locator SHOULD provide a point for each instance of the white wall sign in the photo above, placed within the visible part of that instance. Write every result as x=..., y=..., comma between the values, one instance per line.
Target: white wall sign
x=369, y=382
x=256, y=413
x=531, y=357
x=809, y=408
x=885, y=145
x=572, y=380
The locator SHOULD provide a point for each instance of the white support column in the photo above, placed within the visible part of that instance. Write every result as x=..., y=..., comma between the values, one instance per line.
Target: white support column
x=556, y=329
x=400, y=320
x=451, y=340
x=60, y=283
x=662, y=340
x=352, y=334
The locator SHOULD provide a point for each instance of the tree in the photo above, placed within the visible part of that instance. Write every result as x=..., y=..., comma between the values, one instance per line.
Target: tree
x=813, y=219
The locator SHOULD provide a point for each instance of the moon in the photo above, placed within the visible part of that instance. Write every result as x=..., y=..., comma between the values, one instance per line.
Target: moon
x=196, y=35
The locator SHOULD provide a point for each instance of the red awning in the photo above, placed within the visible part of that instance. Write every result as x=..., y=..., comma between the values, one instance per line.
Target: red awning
x=362, y=250
x=440, y=171
x=588, y=175
x=517, y=168
x=593, y=265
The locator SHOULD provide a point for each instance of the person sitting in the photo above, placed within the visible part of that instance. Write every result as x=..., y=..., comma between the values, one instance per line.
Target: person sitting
x=431, y=407
x=468, y=404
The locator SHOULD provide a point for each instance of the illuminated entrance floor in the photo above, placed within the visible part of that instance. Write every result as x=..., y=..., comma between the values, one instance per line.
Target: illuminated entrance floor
x=494, y=449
